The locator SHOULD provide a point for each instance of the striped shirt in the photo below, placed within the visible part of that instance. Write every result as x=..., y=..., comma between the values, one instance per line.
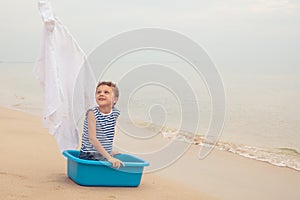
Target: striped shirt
x=105, y=130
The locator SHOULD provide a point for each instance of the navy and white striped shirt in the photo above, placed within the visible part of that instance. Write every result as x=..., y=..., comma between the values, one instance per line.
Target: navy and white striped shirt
x=105, y=130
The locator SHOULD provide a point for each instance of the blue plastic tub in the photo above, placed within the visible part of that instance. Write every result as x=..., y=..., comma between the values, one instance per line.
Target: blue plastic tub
x=101, y=173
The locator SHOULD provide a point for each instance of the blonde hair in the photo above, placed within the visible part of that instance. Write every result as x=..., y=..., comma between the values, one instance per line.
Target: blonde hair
x=109, y=84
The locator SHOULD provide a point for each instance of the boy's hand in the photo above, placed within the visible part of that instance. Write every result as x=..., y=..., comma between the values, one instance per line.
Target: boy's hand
x=116, y=163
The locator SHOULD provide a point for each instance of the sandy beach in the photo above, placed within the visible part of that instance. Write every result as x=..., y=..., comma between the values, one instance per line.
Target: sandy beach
x=32, y=168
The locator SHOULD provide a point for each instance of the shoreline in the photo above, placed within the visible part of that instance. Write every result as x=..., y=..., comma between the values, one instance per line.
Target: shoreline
x=280, y=157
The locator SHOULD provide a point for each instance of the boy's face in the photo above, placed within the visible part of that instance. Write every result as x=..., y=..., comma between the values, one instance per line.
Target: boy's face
x=105, y=96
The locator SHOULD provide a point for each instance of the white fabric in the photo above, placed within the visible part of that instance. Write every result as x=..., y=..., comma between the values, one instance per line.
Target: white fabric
x=65, y=75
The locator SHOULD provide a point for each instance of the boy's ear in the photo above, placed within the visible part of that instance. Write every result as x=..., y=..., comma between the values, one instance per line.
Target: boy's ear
x=115, y=99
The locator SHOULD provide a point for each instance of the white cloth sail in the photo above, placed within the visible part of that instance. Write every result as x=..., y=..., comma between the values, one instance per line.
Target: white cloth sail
x=66, y=77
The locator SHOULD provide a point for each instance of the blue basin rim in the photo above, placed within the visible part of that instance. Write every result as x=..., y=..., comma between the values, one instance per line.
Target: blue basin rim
x=68, y=154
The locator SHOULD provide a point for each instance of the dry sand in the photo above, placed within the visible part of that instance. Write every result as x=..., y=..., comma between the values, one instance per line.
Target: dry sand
x=33, y=168
x=228, y=176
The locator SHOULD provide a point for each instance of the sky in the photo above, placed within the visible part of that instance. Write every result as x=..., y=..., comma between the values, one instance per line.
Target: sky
x=238, y=35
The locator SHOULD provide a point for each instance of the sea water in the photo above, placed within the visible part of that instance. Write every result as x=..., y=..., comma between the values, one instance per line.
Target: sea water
x=19, y=89
x=262, y=113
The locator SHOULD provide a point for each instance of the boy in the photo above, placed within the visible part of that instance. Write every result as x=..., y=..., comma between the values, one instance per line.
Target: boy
x=99, y=126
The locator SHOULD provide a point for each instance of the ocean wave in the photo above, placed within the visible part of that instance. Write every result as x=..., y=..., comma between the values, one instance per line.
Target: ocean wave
x=282, y=157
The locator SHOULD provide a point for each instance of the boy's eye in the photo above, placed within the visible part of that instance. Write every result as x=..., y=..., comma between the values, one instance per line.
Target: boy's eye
x=100, y=91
